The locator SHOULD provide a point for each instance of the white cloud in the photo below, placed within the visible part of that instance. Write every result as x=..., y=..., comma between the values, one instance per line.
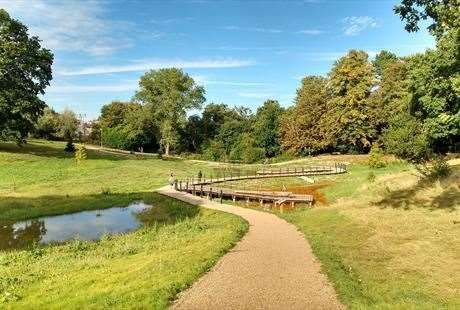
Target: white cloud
x=353, y=25
x=255, y=29
x=255, y=95
x=203, y=80
x=311, y=31
x=64, y=89
x=157, y=64
x=70, y=25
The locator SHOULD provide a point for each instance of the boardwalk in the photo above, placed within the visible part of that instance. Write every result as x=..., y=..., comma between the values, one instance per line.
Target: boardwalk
x=204, y=187
x=272, y=267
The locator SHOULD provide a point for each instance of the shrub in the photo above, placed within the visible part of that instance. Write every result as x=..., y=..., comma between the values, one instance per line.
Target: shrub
x=371, y=177
x=376, y=159
x=436, y=169
x=69, y=147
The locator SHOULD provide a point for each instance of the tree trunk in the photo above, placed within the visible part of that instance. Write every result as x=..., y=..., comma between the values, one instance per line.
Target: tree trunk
x=167, y=149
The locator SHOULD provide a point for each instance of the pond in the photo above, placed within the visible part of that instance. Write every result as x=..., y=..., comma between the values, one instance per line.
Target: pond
x=85, y=225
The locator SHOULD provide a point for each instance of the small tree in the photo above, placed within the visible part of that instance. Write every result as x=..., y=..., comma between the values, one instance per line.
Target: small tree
x=376, y=157
x=80, y=154
x=68, y=124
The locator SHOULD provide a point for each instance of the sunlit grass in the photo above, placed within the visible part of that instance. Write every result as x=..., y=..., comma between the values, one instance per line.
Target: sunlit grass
x=142, y=269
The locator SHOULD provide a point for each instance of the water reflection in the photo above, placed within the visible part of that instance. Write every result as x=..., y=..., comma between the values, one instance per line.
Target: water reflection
x=86, y=225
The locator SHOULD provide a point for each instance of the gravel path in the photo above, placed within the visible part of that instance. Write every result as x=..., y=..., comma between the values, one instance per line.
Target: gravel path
x=272, y=267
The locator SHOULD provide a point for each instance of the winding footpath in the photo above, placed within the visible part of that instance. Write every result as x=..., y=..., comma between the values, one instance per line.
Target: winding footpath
x=272, y=267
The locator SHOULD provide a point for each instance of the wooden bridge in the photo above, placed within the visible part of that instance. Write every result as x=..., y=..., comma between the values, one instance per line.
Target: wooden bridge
x=204, y=186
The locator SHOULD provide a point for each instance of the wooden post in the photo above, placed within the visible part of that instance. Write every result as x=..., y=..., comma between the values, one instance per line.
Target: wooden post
x=292, y=204
x=201, y=190
x=210, y=193
x=247, y=200
x=180, y=185
x=261, y=202
x=221, y=196
x=233, y=198
x=186, y=186
x=193, y=189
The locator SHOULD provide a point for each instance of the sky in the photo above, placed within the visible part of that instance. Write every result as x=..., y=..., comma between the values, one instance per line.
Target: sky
x=242, y=52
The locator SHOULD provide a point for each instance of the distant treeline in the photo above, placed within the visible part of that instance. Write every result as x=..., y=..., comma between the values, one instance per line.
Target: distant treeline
x=407, y=106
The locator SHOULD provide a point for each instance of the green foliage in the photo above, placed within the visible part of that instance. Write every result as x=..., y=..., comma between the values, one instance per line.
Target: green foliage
x=383, y=60
x=444, y=15
x=169, y=94
x=371, y=177
x=48, y=125
x=215, y=151
x=69, y=147
x=350, y=82
x=246, y=150
x=265, y=128
x=80, y=154
x=25, y=72
x=304, y=127
x=435, y=88
x=68, y=124
x=376, y=157
x=406, y=139
x=436, y=169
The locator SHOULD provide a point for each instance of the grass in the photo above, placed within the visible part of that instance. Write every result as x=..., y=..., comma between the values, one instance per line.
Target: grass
x=142, y=269
x=385, y=238
x=391, y=243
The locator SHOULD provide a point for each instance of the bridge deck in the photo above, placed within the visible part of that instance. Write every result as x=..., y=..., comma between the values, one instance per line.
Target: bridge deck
x=203, y=187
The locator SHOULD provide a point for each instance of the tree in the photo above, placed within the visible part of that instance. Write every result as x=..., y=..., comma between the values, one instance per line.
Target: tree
x=113, y=114
x=266, y=129
x=444, y=14
x=25, y=72
x=68, y=124
x=383, y=60
x=406, y=139
x=350, y=82
x=391, y=97
x=304, y=127
x=47, y=125
x=435, y=91
x=169, y=94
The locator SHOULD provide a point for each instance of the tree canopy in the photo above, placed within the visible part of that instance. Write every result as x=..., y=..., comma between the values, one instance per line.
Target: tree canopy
x=25, y=72
x=168, y=94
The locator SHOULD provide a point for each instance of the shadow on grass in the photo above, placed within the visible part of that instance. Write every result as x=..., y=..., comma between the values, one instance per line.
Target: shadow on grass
x=406, y=198
x=14, y=233
x=42, y=149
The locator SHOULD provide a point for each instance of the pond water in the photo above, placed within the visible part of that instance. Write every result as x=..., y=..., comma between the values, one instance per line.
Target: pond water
x=85, y=225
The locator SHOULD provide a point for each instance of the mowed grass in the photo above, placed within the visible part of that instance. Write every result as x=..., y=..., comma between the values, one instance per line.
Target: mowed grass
x=142, y=269
x=41, y=179
x=389, y=244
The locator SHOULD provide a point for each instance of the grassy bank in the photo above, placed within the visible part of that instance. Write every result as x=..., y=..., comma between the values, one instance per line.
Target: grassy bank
x=388, y=244
x=143, y=269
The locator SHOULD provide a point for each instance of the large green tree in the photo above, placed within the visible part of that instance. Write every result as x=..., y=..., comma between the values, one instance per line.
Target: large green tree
x=444, y=15
x=266, y=127
x=304, y=127
x=169, y=94
x=350, y=82
x=25, y=72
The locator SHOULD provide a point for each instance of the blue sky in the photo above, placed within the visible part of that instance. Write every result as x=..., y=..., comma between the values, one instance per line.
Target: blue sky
x=243, y=52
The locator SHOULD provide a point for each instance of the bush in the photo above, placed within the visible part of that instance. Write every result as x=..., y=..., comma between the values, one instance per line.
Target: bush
x=436, y=169
x=406, y=139
x=69, y=147
x=376, y=159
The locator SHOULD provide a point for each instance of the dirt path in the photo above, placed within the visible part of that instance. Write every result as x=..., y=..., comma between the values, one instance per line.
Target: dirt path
x=272, y=267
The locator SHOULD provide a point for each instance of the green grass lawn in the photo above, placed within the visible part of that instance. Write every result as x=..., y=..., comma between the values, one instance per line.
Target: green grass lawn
x=389, y=242
x=142, y=269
